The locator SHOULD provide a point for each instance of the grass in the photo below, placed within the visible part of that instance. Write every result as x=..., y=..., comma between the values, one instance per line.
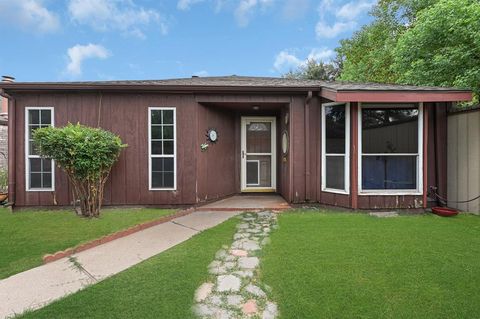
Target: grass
x=356, y=266
x=26, y=236
x=160, y=287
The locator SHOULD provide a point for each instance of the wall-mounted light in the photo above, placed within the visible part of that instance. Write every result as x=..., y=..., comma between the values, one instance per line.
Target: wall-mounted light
x=255, y=107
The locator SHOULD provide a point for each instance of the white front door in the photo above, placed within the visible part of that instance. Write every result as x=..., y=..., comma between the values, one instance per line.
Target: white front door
x=259, y=154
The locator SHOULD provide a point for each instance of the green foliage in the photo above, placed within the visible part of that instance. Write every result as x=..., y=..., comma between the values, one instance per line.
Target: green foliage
x=368, y=56
x=315, y=70
x=87, y=156
x=443, y=46
x=420, y=42
x=85, y=152
x=3, y=180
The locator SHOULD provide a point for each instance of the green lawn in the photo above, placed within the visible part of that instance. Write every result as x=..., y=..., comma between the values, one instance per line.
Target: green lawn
x=357, y=266
x=27, y=235
x=160, y=287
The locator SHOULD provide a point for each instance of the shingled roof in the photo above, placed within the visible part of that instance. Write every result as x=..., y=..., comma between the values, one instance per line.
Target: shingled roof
x=232, y=81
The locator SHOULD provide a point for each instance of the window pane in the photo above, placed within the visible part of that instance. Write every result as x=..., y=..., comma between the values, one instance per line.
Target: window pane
x=47, y=180
x=168, y=148
x=335, y=129
x=167, y=117
x=46, y=117
x=35, y=180
x=34, y=116
x=156, y=132
x=162, y=173
x=253, y=177
x=389, y=172
x=46, y=165
x=156, y=117
x=157, y=148
x=168, y=132
x=335, y=170
x=389, y=130
x=35, y=165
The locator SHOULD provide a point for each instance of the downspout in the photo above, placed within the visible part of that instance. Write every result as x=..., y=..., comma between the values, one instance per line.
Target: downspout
x=307, y=145
x=11, y=147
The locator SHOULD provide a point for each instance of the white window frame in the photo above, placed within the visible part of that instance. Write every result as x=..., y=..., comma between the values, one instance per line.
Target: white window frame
x=346, y=190
x=419, y=154
x=28, y=156
x=150, y=155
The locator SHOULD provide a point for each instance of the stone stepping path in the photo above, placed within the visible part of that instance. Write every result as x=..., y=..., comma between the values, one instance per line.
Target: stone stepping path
x=234, y=290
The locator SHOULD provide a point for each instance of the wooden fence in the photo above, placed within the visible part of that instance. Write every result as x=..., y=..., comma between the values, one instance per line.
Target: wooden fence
x=464, y=158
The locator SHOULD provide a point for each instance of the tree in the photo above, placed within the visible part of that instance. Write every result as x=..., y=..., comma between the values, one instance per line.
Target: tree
x=368, y=55
x=86, y=155
x=315, y=70
x=443, y=47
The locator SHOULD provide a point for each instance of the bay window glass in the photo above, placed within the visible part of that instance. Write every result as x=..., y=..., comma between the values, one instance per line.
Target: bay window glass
x=390, y=147
x=335, y=120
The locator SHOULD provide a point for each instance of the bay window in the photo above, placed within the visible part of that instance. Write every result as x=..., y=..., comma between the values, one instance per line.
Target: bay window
x=390, y=151
x=335, y=147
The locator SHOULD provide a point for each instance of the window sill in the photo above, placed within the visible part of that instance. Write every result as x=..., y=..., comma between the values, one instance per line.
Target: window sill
x=40, y=190
x=162, y=189
x=335, y=191
x=399, y=193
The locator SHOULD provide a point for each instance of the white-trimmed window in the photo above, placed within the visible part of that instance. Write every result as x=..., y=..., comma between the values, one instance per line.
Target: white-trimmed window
x=390, y=149
x=162, y=148
x=39, y=172
x=336, y=147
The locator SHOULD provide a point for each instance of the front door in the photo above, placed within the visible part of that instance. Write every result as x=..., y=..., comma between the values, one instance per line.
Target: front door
x=258, y=154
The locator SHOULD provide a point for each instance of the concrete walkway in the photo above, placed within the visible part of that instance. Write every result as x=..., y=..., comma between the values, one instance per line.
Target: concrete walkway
x=40, y=286
x=248, y=202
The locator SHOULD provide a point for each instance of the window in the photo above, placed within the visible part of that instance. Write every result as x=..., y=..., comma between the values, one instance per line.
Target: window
x=162, y=148
x=335, y=147
x=391, y=147
x=40, y=172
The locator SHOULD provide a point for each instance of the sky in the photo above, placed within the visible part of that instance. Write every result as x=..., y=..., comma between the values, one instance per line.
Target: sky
x=83, y=40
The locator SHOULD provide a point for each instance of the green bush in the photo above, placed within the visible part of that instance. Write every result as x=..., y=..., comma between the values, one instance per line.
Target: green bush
x=3, y=180
x=86, y=154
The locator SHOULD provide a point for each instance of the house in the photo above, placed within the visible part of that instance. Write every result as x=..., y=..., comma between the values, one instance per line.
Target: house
x=367, y=146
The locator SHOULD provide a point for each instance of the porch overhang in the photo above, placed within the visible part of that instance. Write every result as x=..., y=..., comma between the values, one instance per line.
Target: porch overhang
x=396, y=96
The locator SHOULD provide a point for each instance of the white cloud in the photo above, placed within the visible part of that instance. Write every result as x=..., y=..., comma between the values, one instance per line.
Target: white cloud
x=78, y=53
x=352, y=10
x=29, y=14
x=123, y=15
x=288, y=60
x=186, y=4
x=323, y=30
x=246, y=9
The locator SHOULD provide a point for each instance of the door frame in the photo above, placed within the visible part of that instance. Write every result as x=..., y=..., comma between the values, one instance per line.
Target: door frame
x=243, y=155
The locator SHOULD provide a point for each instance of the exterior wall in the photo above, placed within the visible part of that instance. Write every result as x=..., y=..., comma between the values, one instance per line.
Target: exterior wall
x=3, y=105
x=216, y=167
x=127, y=116
x=463, y=159
x=205, y=176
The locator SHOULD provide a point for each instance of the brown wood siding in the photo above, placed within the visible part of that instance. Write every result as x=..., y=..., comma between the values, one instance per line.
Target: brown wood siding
x=217, y=166
x=127, y=116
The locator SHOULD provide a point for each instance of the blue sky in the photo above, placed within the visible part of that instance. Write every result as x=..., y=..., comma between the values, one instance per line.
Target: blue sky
x=69, y=40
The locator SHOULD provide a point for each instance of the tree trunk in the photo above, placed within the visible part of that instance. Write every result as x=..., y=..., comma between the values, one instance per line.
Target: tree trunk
x=89, y=195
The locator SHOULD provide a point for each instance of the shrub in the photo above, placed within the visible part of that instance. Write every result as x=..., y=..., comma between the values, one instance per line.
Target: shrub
x=3, y=180
x=86, y=155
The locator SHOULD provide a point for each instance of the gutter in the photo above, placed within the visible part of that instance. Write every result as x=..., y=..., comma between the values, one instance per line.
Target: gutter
x=307, y=145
